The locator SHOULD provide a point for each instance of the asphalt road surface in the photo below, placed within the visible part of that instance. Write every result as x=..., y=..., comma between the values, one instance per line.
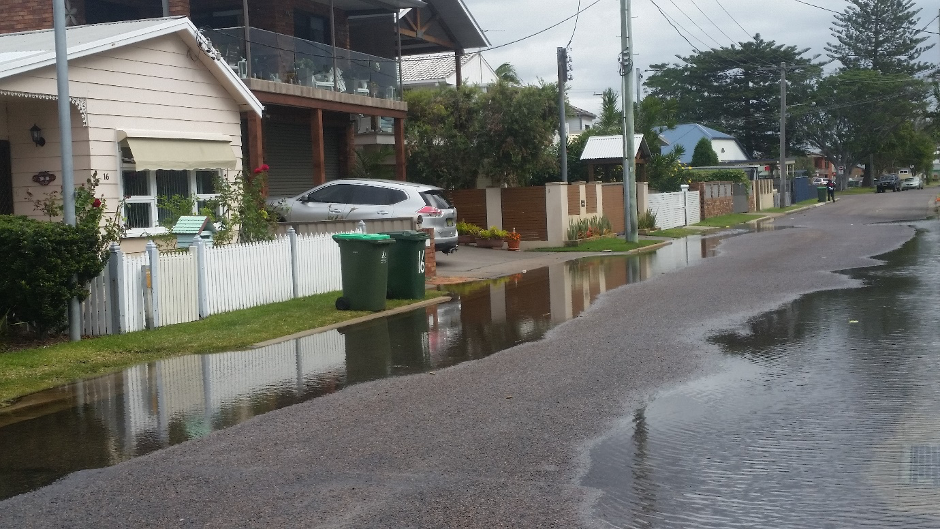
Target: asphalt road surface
x=497, y=442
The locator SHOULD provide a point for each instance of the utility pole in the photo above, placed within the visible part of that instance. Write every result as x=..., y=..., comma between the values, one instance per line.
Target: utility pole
x=782, y=143
x=562, y=58
x=627, y=120
x=65, y=133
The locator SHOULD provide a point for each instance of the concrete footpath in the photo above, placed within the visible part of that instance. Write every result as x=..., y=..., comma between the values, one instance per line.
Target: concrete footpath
x=497, y=442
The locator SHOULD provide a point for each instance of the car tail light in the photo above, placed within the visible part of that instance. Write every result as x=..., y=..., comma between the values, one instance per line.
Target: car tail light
x=430, y=211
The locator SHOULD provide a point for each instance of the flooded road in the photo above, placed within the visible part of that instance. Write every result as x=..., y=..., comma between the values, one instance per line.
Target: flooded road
x=151, y=406
x=825, y=414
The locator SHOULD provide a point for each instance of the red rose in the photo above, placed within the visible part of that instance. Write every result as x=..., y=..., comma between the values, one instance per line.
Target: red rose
x=257, y=170
x=264, y=167
x=96, y=203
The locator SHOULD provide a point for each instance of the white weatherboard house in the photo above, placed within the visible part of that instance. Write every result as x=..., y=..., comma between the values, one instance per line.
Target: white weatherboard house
x=154, y=111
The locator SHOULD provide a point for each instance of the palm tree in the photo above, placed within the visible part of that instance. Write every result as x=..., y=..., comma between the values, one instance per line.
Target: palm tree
x=506, y=73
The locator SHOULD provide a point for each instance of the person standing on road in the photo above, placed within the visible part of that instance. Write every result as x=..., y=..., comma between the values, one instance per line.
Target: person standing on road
x=831, y=188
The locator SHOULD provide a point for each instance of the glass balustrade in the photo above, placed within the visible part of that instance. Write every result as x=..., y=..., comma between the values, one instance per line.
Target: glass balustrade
x=286, y=59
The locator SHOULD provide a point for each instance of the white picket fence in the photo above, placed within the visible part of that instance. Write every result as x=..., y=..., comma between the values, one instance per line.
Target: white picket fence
x=674, y=209
x=152, y=289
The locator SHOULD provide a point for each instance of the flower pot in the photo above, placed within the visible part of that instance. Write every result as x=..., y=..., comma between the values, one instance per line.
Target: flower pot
x=465, y=239
x=513, y=246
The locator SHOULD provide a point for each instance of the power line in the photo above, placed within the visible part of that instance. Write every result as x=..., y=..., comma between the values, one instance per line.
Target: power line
x=733, y=19
x=710, y=20
x=577, y=10
x=674, y=26
x=586, y=8
x=695, y=24
x=818, y=7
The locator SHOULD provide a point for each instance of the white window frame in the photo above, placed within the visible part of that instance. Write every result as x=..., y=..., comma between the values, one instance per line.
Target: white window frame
x=151, y=198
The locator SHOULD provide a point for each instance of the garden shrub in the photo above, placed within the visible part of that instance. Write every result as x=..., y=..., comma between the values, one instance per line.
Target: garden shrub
x=38, y=264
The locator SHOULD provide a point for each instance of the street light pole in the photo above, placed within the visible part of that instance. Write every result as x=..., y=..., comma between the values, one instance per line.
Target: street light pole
x=627, y=120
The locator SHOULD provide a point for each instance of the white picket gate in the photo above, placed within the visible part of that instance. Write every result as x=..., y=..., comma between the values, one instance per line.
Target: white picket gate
x=177, y=295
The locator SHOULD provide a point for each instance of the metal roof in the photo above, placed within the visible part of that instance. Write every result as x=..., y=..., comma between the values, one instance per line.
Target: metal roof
x=432, y=67
x=611, y=147
x=32, y=50
x=689, y=134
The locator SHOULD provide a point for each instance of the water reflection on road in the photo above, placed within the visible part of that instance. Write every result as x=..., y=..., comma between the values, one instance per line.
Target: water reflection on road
x=826, y=415
x=154, y=405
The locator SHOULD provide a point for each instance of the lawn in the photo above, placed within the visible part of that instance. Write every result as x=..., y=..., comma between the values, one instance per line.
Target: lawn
x=29, y=370
x=611, y=244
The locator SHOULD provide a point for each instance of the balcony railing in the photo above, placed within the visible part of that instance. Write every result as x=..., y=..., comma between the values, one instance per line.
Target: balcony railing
x=287, y=59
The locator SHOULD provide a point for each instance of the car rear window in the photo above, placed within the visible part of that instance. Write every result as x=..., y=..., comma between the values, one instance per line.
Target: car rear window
x=436, y=199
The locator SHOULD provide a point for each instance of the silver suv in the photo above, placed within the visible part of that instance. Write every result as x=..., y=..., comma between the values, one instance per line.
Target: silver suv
x=362, y=199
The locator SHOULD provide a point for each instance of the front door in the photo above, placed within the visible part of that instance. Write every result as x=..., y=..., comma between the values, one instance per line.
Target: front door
x=6, y=180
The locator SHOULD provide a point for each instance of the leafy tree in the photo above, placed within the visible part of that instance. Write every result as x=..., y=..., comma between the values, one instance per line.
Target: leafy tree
x=704, y=154
x=609, y=122
x=517, y=125
x=857, y=112
x=650, y=114
x=736, y=90
x=881, y=35
x=441, y=133
x=454, y=135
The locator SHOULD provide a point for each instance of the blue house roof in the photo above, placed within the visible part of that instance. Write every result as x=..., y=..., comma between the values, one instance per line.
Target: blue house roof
x=688, y=135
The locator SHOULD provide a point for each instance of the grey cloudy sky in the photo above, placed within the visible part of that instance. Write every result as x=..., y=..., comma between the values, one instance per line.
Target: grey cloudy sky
x=596, y=41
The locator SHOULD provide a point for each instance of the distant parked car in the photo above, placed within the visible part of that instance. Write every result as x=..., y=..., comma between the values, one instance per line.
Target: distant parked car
x=367, y=199
x=888, y=181
x=912, y=183
x=818, y=181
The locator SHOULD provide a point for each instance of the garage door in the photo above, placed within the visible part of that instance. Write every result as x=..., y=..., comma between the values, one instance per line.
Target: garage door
x=288, y=153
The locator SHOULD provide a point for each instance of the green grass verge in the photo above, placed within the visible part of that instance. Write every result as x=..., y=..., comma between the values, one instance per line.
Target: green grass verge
x=613, y=244
x=675, y=233
x=29, y=370
x=725, y=221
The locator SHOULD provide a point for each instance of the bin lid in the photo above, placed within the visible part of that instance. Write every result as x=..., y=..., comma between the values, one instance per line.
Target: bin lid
x=360, y=237
x=408, y=235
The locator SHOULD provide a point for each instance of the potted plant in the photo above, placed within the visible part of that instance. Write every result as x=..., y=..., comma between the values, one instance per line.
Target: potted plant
x=512, y=241
x=467, y=232
x=497, y=236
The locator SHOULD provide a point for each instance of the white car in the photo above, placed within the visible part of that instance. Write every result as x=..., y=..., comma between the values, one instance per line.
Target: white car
x=913, y=182
x=818, y=181
x=366, y=199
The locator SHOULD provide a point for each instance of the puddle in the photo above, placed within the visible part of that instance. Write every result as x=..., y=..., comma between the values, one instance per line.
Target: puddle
x=825, y=415
x=150, y=406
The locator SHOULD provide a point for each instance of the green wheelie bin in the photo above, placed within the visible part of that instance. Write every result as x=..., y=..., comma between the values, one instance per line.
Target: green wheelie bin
x=821, y=194
x=364, y=263
x=407, y=265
